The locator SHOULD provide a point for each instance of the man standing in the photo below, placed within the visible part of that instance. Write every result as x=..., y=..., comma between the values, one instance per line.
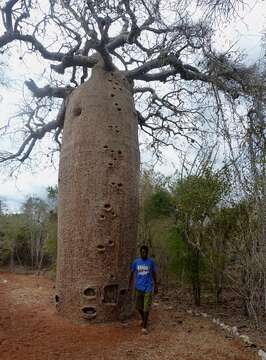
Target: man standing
x=145, y=283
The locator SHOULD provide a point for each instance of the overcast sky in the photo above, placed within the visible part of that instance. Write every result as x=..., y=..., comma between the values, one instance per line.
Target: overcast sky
x=245, y=34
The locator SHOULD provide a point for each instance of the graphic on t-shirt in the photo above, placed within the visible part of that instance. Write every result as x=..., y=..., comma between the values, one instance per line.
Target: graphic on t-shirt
x=143, y=269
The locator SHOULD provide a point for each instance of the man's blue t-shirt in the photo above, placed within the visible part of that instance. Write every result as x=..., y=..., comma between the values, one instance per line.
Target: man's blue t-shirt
x=143, y=270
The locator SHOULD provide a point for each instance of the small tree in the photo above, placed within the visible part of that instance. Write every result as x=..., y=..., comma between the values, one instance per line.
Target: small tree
x=218, y=237
x=35, y=215
x=247, y=153
x=196, y=197
x=50, y=246
x=13, y=242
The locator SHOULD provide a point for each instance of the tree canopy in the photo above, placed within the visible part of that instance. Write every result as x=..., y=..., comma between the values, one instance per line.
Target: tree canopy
x=165, y=49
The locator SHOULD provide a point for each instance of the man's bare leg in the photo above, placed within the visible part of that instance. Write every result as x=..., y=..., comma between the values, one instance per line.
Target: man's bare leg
x=145, y=319
x=145, y=322
x=142, y=317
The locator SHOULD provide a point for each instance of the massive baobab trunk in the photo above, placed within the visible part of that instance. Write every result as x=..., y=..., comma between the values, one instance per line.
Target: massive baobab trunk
x=98, y=199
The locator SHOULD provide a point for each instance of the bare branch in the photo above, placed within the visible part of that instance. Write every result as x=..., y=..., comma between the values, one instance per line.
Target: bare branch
x=172, y=53
x=7, y=14
x=47, y=90
x=28, y=144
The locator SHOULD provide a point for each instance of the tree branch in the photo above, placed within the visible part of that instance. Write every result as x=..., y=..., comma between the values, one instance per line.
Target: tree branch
x=29, y=142
x=47, y=90
x=7, y=14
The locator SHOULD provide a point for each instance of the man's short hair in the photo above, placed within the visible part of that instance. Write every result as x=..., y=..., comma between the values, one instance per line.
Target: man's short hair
x=144, y=247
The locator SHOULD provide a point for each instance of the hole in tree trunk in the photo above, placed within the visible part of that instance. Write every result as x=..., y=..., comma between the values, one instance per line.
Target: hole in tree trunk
x=110, y=294
x=56, y=299
x=107, y=207
x=112, y=95
x=77, y=111
x=89, y=312
x=110, y=243
x=119, y=184
x=119, y=109
x=100, y=248
x=90, y=292
x=123, y=292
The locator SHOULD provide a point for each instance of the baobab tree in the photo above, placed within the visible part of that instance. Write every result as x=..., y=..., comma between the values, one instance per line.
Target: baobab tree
x=150, y=65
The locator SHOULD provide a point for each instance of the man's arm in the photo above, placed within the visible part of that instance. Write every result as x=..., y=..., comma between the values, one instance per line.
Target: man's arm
x=154, y=276
x=131, y=278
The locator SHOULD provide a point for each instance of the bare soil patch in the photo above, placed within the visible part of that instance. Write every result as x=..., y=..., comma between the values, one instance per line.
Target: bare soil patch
x=31, y=329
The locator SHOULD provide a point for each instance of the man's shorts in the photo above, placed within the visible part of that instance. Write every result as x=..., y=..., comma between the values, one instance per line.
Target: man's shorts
x=143, y=300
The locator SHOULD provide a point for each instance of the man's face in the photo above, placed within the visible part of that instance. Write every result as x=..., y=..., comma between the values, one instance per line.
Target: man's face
x=144, y=254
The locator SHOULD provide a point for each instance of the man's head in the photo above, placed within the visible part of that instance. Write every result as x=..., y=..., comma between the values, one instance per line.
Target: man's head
x=144, y=250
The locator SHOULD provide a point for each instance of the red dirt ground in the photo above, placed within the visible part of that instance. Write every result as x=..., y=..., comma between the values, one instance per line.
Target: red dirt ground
x=30, y=329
